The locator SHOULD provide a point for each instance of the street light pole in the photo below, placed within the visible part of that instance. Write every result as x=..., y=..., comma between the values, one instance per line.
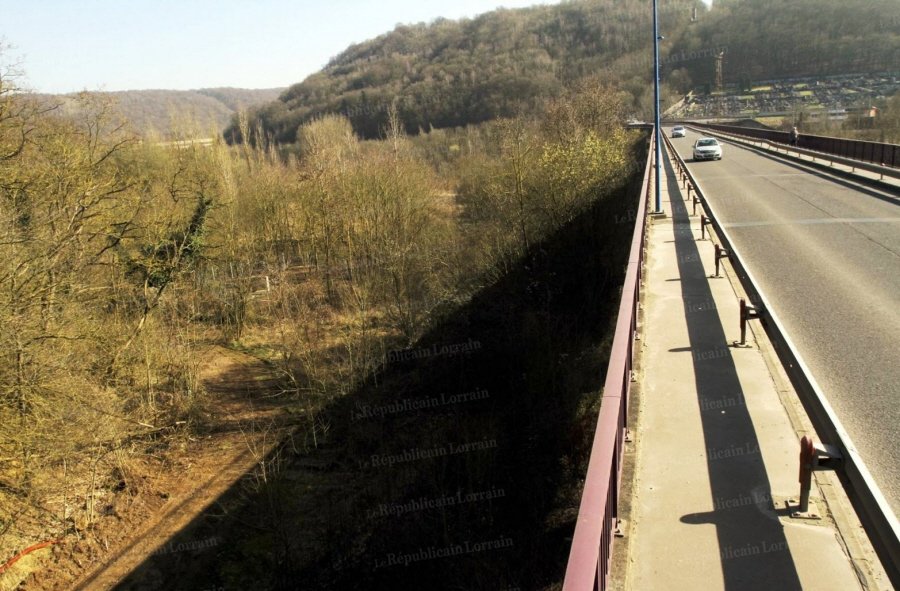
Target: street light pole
x=656, y=131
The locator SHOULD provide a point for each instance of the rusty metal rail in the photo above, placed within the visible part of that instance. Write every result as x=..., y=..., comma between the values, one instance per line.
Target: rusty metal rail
x=878, y=153
x=9, y=563
x=598, y=516
x=871, y=507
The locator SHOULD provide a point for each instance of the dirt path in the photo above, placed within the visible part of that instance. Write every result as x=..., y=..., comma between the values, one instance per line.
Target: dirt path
x=247, y=419
x=177, y=513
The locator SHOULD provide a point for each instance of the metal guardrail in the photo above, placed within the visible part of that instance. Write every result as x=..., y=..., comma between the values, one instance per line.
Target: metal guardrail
x=592, y=544
x=789, y=151
x=881, y=154
x=871, y=507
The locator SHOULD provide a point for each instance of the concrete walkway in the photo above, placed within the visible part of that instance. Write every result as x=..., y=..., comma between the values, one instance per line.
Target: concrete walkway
x=716, y=453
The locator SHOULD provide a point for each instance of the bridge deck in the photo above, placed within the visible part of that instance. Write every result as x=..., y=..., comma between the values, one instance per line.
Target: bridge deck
x=716, y=450
x=826, y=252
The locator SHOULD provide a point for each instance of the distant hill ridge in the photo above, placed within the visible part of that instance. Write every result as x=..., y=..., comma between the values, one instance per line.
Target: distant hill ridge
x=454, y=73
x=165, y=112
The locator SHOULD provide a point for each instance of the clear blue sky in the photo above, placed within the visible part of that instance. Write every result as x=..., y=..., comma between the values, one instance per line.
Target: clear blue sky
x=72, y=45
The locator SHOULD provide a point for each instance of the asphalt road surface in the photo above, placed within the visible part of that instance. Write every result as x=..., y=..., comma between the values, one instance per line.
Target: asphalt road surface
x=827, y=255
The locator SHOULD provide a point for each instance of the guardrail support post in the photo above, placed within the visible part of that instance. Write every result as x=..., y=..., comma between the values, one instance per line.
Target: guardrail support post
x=721, y=253
x=747, y=313
x=704, y=221
x=812, y=458
x=807, y=456
x=696, y=203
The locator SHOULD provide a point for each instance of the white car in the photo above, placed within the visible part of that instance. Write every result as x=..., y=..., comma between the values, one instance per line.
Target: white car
x=679, y=131
x=707, y=148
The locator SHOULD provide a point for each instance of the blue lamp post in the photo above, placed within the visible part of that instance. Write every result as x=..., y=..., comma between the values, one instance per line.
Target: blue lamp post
x=656, y=131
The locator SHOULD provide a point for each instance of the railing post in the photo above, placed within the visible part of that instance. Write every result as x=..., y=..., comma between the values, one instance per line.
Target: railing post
x=807, y=454
x=813, y=458
x=704, y=221
x=747, y=313
x=721, y=253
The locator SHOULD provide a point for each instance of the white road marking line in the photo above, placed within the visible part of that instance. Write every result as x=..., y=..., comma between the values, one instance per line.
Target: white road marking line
x=812, y=222
x=743, y=176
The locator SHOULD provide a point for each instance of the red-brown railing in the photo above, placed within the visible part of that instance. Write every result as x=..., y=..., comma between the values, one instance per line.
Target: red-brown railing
x=589, y=557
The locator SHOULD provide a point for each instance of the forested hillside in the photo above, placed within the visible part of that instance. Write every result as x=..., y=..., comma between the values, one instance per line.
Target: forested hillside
x=453, y=73
x=771, y=39
x=163, y=112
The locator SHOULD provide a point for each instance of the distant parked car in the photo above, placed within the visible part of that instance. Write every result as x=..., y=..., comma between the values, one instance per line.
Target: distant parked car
x=679, y=131
x=707, y=148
